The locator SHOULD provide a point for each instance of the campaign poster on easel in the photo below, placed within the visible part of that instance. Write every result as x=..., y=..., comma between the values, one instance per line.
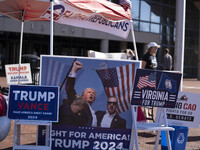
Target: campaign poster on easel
x=33, y=103
x=187, y=110
x=95, y=95
x=156, y=88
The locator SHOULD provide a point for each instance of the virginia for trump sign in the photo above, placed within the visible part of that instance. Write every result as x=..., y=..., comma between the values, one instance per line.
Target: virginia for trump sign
x=155, y=88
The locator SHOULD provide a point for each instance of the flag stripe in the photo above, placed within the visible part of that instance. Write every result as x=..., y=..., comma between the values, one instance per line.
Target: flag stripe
x=114, y=94
x=54, y=71
x=120, y=91
x=123, y=73
x=62, y=67
x=46, y=73
x=52, y=63
x=127, y=83
x=120, y=100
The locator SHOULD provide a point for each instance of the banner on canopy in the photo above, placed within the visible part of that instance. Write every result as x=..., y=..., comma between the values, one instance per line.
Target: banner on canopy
x=71, y=15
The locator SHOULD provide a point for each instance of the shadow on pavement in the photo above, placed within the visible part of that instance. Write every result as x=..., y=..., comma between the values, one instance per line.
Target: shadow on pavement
x=146, y=134
x=193, y=138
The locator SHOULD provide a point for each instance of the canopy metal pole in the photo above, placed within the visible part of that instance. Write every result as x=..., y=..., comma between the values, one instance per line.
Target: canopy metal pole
x=20, y=48
x=21, y=39
x=51, y=29
x=132, y=32
x=134, y=42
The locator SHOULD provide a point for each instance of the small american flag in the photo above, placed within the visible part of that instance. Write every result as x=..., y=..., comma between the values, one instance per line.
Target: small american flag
x=125, y=3
x=148, y=80
x=119, y=82
x=53, y=72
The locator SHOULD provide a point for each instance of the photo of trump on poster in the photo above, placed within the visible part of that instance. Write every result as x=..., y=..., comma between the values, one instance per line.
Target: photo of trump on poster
x=95, y=95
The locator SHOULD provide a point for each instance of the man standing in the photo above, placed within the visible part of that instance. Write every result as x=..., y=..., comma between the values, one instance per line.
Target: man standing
x=167, y=62
x=88, y=95
x=110, y=118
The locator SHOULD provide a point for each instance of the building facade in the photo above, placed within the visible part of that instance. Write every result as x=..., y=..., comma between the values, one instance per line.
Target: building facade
x=154, y=20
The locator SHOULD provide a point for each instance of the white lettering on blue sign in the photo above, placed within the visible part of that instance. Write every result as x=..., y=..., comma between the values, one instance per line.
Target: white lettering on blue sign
x=155, y=95
x=33, y=96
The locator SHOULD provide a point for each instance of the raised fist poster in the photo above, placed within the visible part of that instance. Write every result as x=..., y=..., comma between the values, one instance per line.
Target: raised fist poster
x=95, y=96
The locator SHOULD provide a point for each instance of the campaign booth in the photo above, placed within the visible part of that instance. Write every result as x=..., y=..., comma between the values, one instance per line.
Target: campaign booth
x=118, y=79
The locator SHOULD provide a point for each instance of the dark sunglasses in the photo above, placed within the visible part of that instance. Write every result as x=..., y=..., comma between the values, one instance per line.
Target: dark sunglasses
x=114, y=103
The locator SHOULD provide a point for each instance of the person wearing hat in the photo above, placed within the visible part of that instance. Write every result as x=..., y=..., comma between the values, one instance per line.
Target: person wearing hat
x=149, y=60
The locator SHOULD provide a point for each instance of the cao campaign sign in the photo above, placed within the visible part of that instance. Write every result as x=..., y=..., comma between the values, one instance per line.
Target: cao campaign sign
x=187, y=110
x=156, y=88
x=33, y=103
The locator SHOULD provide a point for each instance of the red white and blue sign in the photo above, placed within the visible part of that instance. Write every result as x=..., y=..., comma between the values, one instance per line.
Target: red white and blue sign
x=88, y=138
x=156, y=88
x=33, y=103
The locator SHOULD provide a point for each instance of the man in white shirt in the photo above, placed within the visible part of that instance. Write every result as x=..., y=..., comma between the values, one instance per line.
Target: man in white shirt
x=110, y=118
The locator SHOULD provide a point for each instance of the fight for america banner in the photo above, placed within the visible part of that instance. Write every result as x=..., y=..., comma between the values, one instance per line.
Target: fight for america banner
x=87, y=17
x=156, y=88
x=74, y=138
x=78, y=77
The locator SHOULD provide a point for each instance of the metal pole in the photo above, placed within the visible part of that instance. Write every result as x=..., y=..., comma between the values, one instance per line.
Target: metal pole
x=134, y=42
x=180, y=37
x=133, y=35
x=20, y=48
x=21, y=39
x=51, y=29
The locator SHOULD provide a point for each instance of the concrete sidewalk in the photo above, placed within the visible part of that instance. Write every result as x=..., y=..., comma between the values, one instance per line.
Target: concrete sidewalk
x=146, y=139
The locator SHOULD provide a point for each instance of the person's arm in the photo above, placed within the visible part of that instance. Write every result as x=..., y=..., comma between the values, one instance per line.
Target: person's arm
x=69, y=87
x=143, y=64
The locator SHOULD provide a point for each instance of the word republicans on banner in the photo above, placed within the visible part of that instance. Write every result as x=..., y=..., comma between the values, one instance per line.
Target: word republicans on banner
x=67, y=14
x=33, y=103
x=156, y=88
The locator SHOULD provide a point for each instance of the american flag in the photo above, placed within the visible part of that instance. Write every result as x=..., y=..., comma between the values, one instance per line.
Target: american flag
x=125, y=3
x=119, y=82
x=148, y=80
x=53, y=72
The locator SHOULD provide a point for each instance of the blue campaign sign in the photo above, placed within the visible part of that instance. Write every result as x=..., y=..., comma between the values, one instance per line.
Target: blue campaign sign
x=33, y=103
x=156, y=88
x=74, y=137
